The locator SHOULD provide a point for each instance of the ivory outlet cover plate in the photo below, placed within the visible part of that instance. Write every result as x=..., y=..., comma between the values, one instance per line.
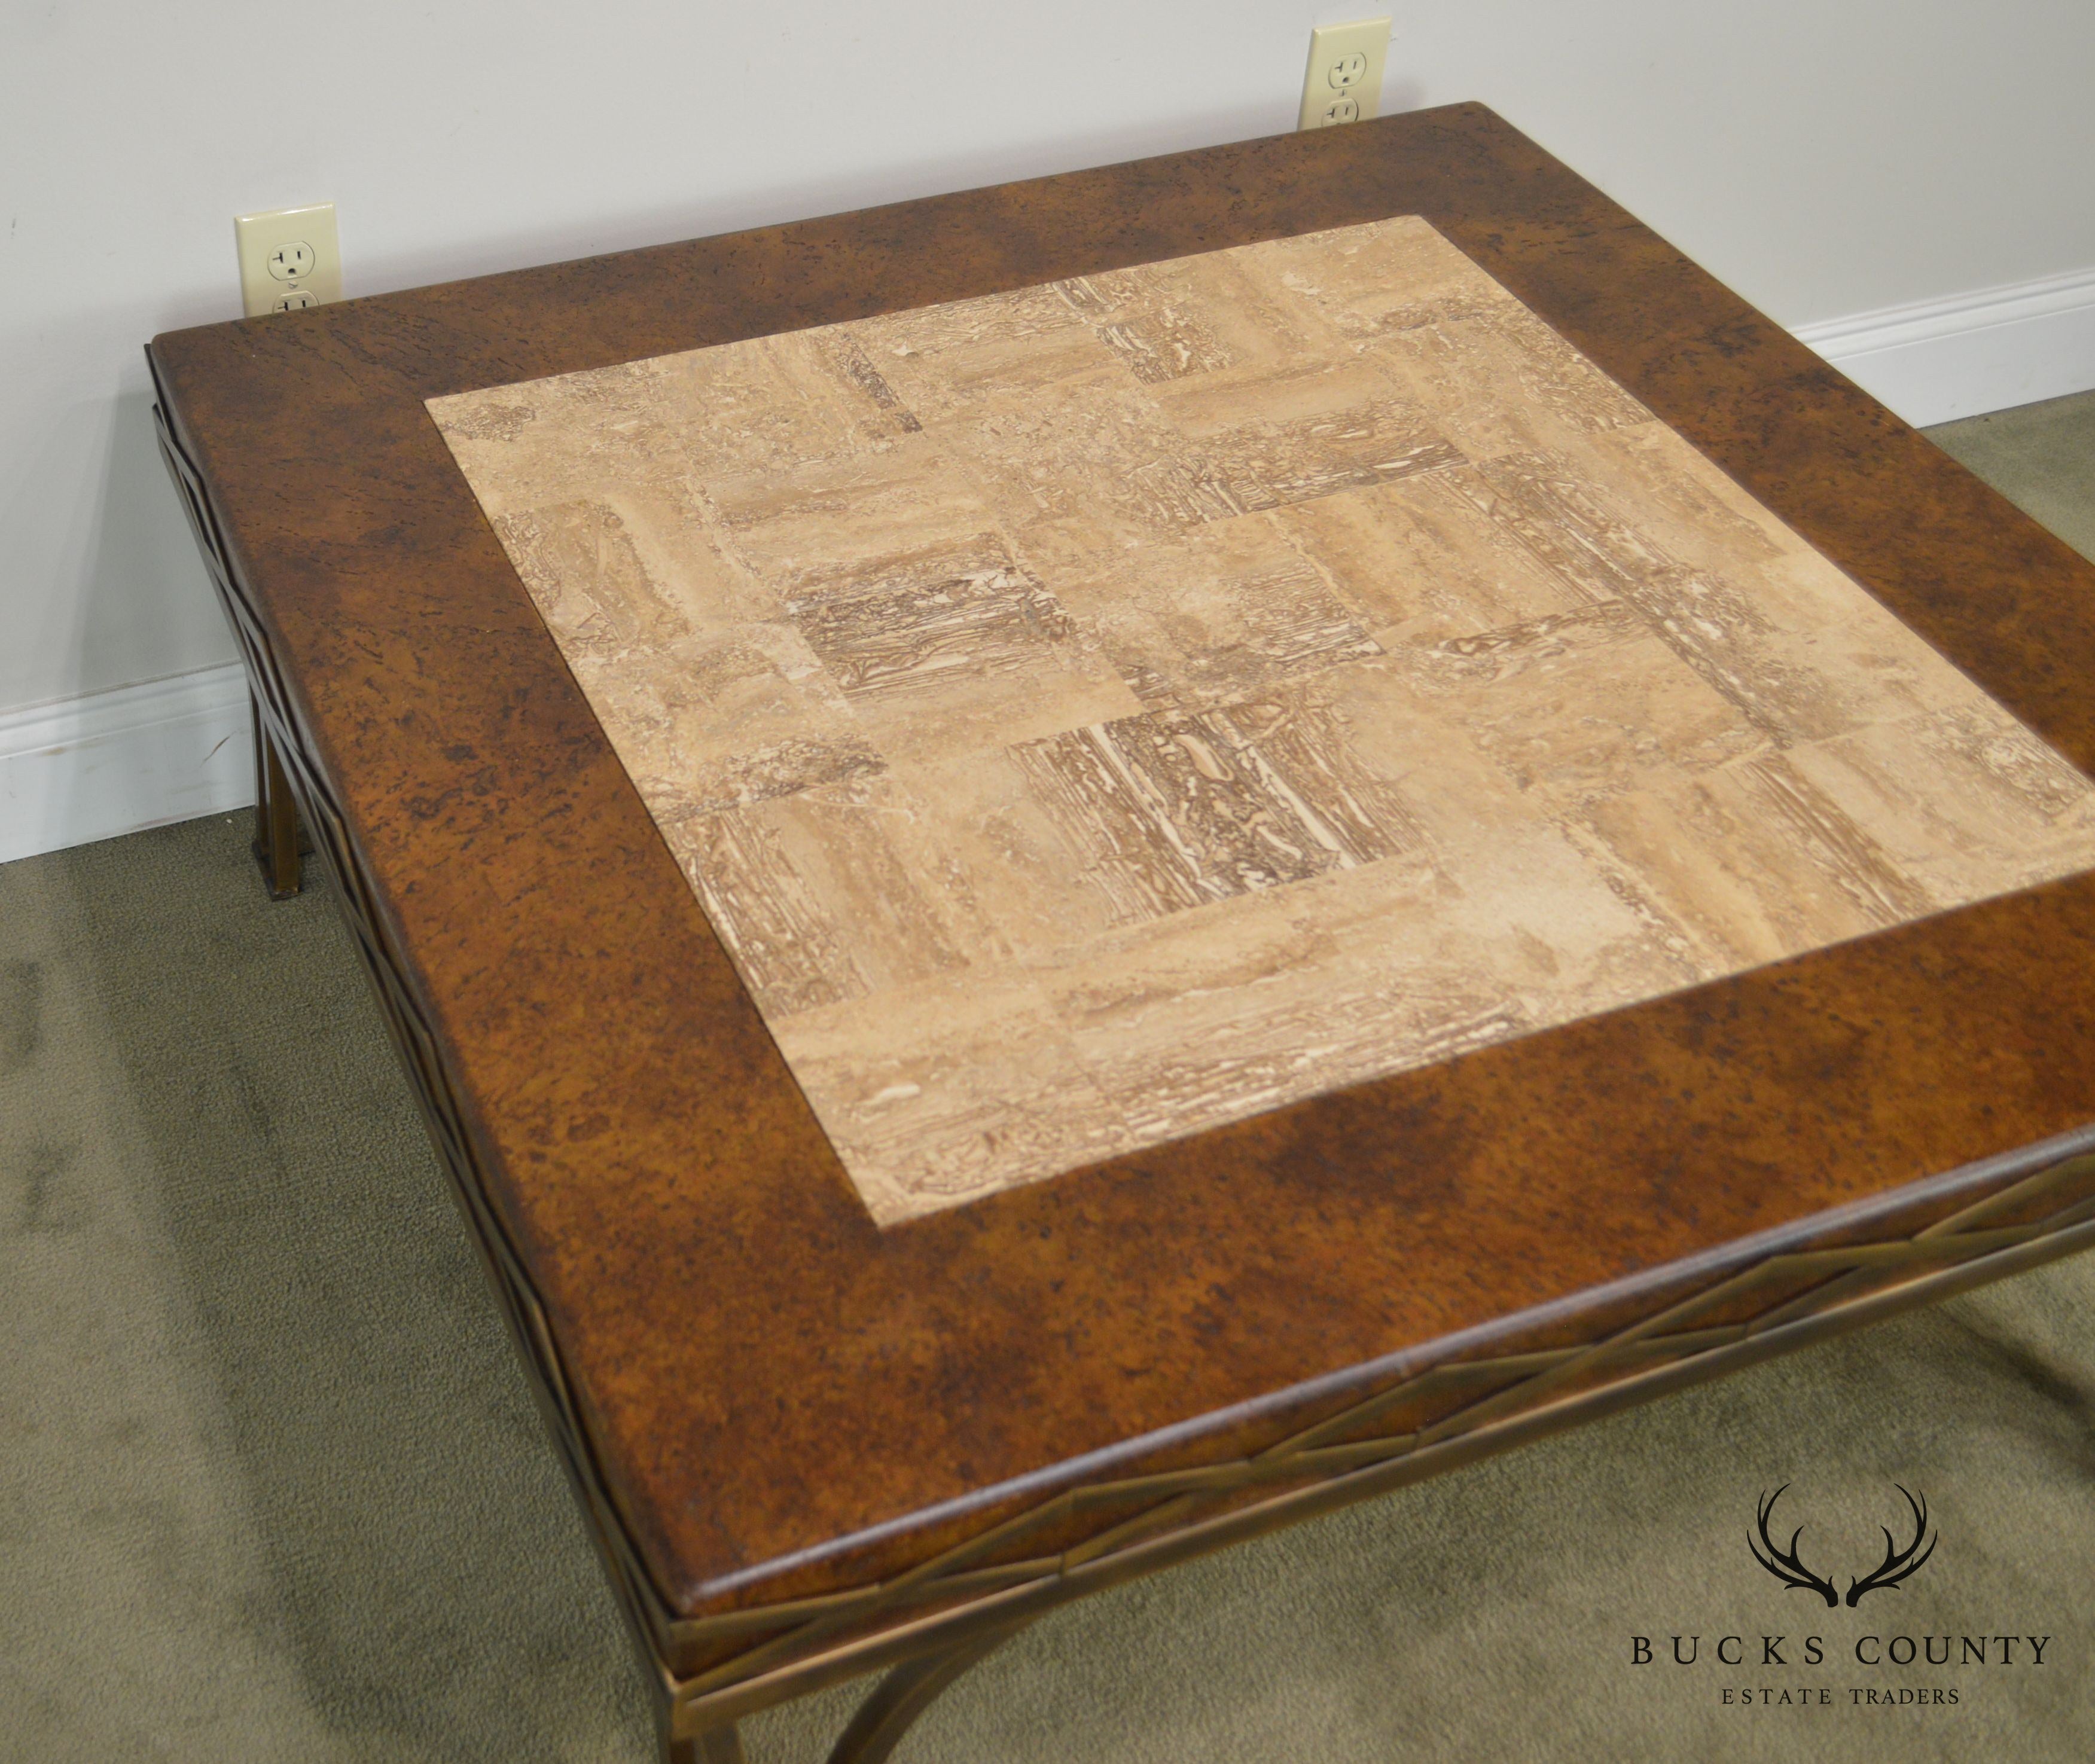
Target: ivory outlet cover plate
x=1343, y=84
x=289, y=259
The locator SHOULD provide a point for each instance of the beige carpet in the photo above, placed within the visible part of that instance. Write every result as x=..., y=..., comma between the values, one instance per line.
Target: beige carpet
x=271, y=1487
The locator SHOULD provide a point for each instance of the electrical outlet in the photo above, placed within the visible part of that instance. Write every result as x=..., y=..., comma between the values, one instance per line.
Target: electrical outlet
x=289, y=259
x=292, y=263
x=1344, y=80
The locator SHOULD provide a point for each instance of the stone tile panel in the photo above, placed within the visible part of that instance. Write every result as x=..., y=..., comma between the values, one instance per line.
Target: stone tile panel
x=1094, y=712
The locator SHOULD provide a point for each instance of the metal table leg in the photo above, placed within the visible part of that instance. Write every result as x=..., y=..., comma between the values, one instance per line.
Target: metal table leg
x=276, y=845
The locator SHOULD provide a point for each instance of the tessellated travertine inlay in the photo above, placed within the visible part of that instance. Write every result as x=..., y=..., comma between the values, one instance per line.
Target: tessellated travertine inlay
x=1095, y=712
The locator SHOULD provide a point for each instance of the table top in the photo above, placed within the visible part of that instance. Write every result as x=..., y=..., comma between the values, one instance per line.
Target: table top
x=782, y=1398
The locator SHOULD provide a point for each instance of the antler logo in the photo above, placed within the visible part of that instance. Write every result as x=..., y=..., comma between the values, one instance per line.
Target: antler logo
x=1787, y=1567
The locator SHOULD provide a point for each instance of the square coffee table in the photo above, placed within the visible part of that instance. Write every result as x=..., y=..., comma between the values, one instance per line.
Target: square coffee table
x=1071, y=871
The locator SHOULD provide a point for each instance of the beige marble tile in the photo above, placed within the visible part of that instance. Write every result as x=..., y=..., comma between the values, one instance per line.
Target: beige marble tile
x=1095, y=712
x=1422, y=560
x=1203, y=618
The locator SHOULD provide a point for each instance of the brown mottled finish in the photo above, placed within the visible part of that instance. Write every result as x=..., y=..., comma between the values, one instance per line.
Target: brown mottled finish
x=761, y=1375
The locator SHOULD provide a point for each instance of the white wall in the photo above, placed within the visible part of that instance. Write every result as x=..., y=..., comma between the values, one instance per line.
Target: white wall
x=1824, y=156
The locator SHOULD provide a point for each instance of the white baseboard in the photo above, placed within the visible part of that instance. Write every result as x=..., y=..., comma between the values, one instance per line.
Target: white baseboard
x=113, y=762
x=91, y=767
x=1988, y=350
